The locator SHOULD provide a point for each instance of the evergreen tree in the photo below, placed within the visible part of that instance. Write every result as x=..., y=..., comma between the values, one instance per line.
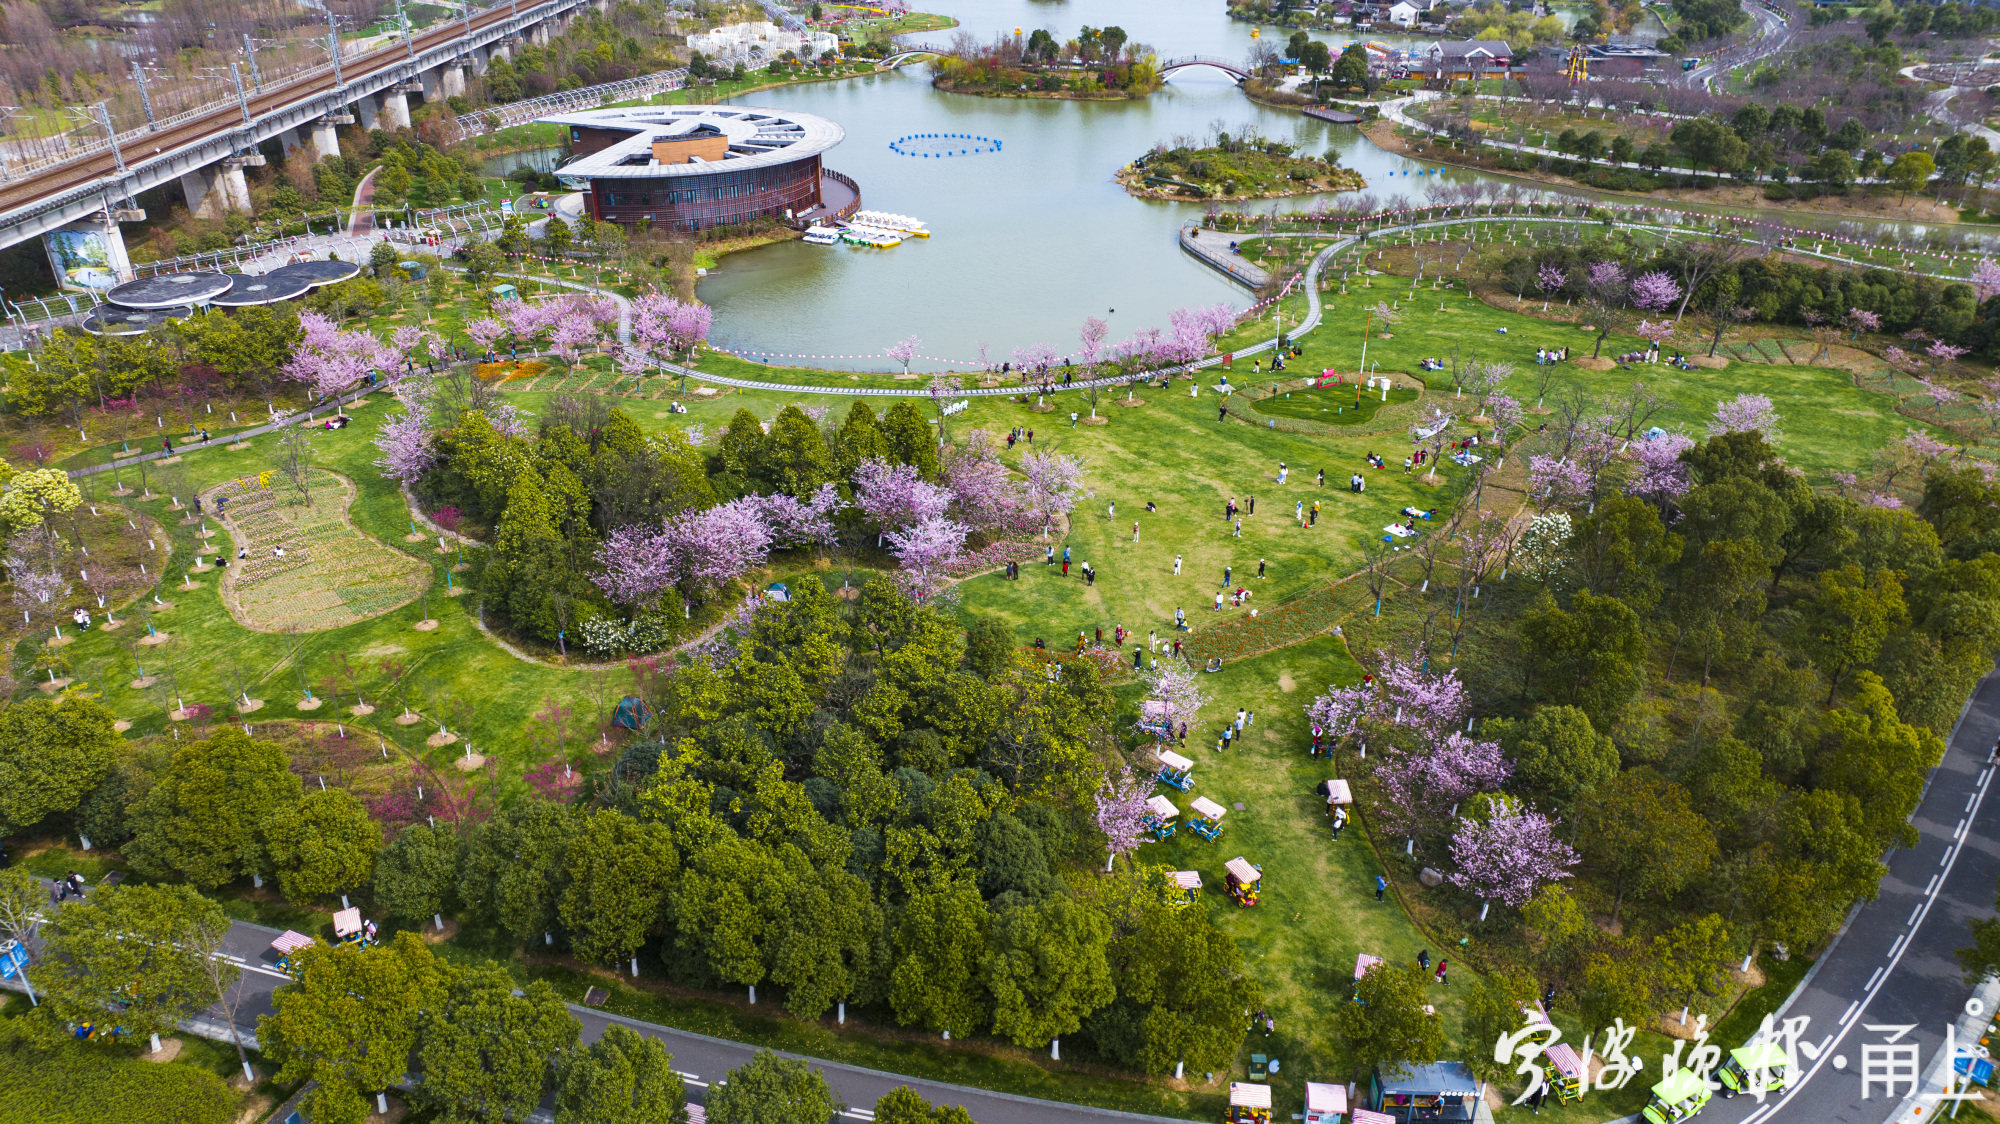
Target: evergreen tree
x=324, y=844
x=200, y=819
x=530, y=560
x=860, y=439
x=796, y=459
x=52, y=753
x=743, y=446
x=910, y=438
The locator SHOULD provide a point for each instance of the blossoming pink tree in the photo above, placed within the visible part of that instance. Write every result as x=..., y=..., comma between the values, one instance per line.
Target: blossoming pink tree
x=984, y=495
x=1654, y=291
x=1560, y=481
x=1859, y=320
x=1054, y=483
x=902, y=351
x=925, y=548
x=802, y=522
x=1985, y=279
x=1661, y=476
x=1746, y=413
x=896, y=496
x=405, y=444
x=485, y=332
x=1432, y=703
x=328, y=360
x=1036, y=358
x=1339, y=712
x=1091, y=336
x=698, y=551
x=1121, y=813
x=1508, y=856
x=574, y=337
x=1941, y=352
x=1549, y=279
x=1422, y=788
x=1175, y=685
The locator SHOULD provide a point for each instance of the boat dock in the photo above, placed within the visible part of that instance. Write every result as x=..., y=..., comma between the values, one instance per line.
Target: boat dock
x=1212, y=248
x=1336, y=116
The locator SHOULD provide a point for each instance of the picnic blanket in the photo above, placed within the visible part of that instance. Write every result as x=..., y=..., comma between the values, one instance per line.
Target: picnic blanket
x=1400, y=531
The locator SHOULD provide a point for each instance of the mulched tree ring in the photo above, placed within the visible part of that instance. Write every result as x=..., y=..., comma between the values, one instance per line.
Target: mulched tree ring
x=308, y=704
x=440, y=739
x=408, y=719
x=50, y=687
x=143, y=682
x=467, y=762
x=362, y=711
x=415, y=537
x=59, y=641
x=1129, y=402
x=249, y=706
x=155, y=639
x=425, y=625
x=454, y=591
x=121, y=725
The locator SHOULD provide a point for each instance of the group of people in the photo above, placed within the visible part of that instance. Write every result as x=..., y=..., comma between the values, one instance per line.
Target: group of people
x=1019, y=434
x=1547, y=355
x=67, y=887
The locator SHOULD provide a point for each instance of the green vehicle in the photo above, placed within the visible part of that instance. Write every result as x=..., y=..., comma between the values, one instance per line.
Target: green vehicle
x=1678, y=1098
x=1739, y=1074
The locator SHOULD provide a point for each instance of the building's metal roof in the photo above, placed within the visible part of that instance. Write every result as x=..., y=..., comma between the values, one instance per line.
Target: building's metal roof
x=758, y=138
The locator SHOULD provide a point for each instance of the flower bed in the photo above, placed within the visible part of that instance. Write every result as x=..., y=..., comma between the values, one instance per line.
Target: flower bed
x=1305, y=616
x=330, y=574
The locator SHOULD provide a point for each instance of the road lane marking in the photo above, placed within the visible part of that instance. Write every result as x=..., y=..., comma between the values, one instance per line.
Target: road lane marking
x=1913, y=914
x=1969, y=798
x=1945, y=859
x=1931, y=886
x=1898, y=946
x=1959, y=831
x=1853, y=1007
x=1870, y=985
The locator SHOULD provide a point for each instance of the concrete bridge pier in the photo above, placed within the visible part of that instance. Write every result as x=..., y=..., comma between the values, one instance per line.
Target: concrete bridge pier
x=453, y=78
x=430, y=83
x=365, y=106
x=216, y=189
x=396, y=108
x=325, y=141
x=88, y=254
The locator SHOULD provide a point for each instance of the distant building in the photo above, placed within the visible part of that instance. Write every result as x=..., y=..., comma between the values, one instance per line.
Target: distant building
x=1468, y=58
x=762, y=36
x=1408, y=13
x=693, y=167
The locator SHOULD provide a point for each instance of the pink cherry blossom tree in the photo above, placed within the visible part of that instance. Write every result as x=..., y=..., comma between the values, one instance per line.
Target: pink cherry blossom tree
x=1661, y=477
x=1549, y=279
x=406, y=447
x=802, y=522
x=574, y=337
x=1560, y=481
x=1655, y=291
x=1054, y=483
x=1432, y=703
x=1941, y=352
x=1859, y=320
x=927, y=547
x=1509, y=855
x=1340, y=712
x=895, y=496
x=1986, y=279
x=1091, y=336
x=699, y=551
x=1034, y=357
x=1121, y=811
x=1177, y=686
x=485, y=332
x=984, y=494
x=1421, y=788
x=1745, y=413
x=902, y=351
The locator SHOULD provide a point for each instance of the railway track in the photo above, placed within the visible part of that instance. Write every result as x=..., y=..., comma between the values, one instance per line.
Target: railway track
x=89, y=169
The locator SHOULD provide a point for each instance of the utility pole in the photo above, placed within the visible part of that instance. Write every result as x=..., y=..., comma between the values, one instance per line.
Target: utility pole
x=145, y=96
x=409, y=30
x=111, y=134
x=333, y=48
x=242, y=103
x=250, y=51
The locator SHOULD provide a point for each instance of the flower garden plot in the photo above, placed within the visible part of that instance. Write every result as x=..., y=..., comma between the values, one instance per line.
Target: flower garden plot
x=330, y=574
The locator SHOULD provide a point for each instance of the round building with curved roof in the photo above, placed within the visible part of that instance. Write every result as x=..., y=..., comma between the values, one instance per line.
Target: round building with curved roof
x=693, y=167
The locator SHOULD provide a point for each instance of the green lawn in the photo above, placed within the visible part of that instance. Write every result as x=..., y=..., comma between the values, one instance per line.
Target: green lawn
x=1333, y=405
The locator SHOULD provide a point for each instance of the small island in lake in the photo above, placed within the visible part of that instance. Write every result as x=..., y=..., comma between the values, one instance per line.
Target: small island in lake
x=1099, y=64
x=1244, y=166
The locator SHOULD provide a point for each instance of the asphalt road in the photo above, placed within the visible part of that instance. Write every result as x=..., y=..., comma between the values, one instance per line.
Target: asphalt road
x=1772, y=36
x=700, y=1059
x=1893, y=965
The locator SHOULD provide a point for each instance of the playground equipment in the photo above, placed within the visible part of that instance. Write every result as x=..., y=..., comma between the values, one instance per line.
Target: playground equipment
x=1245, y=880
x=1562, y=1071
x=1760, y=1065
x=1325, y=1104
x=1682, y=1095
x=1577, y=70
x=1160, y=813
x=1249, y=1103
x=287, y=945
x=1176, y=770
x=1188, y=883
x=1209, y=825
